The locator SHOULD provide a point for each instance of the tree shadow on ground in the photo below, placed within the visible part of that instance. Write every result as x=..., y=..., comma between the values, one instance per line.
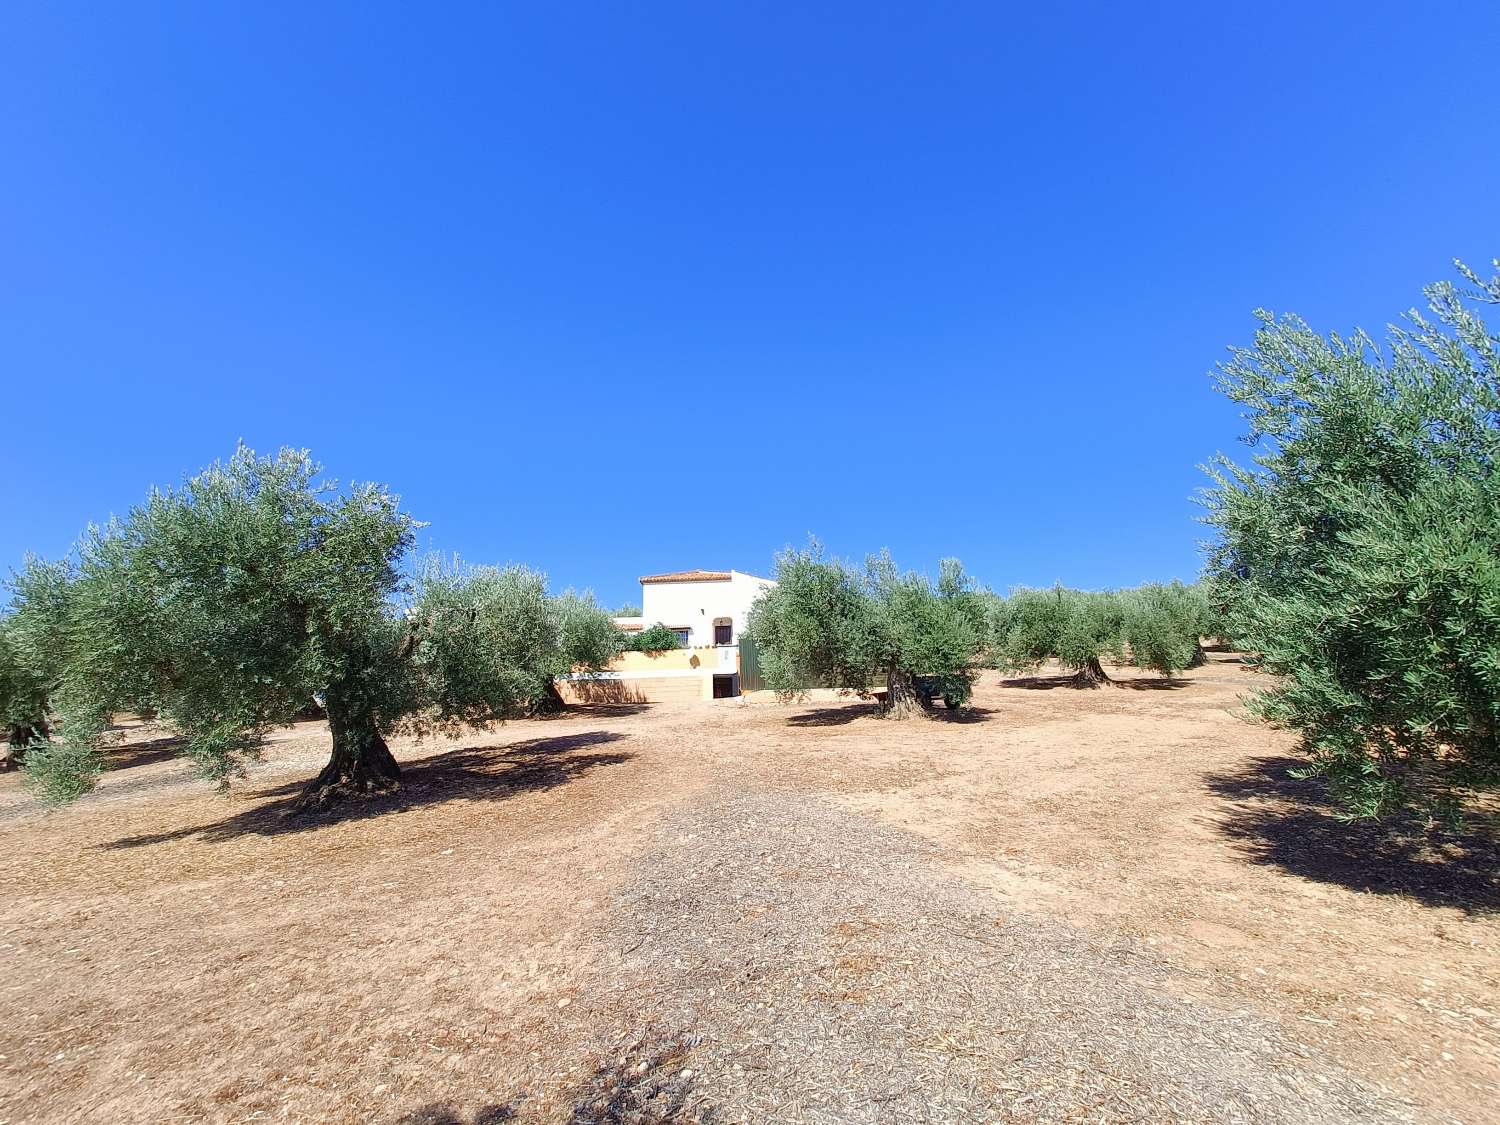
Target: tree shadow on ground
x=444, y=1113
x=1286, y=823
x=840, y=714
x=1152, y=683
x=132, y=754
x=1228, y=656
x=963, y=715
x=1048, y=683
x=648, y=1082
x=595, y=711
x=472, y=773
x=846, y=713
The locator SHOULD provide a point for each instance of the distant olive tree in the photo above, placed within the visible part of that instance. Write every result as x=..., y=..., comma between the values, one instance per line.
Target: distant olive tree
x=491, y=642
x=229, y=604
x=1157, y=626
x=825, y=622
x=1077, y=628
x=1164, y=625
x=587, y=637
x=23, y=700
x=32, y=647
x=1359, y=552
x=629, y=609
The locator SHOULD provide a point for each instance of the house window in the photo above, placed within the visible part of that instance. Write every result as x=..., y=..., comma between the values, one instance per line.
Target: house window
x=684, y=637
x=723, y=632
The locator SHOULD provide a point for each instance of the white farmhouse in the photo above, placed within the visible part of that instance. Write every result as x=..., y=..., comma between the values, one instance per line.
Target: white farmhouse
x=707, y=610
x=704, y=607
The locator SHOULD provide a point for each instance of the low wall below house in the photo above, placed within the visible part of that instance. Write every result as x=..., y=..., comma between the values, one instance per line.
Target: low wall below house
x=678, y=675
x=702, y=658
x=600, y=691
x=637, y=689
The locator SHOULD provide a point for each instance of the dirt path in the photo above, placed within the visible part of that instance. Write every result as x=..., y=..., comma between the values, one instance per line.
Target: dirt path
x=1107, y=905
x=838, y=973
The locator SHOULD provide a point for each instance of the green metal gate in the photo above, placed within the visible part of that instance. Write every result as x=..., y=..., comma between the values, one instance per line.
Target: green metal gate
x=751, y=677
x=750, y=674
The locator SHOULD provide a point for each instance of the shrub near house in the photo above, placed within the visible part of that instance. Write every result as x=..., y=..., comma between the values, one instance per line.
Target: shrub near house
x=657, y=638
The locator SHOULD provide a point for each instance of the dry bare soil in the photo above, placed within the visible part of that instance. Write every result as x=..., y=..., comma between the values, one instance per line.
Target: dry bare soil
x=1109, y=905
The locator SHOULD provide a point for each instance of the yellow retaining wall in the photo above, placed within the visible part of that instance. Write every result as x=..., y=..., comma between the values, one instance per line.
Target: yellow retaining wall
x=642, y=689
x=637, y=684
x=600, y=691
x=647, y=689
x=673, y=660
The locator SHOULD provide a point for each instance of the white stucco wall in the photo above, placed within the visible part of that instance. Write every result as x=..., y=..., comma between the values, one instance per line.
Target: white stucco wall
x=694, y=605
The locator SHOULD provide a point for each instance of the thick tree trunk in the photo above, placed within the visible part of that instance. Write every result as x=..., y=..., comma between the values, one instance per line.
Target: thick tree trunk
x=20, y=736
x=361, y=763
x=1091, y=675
x=23, y=735
x=901, y=701
x=551, y=701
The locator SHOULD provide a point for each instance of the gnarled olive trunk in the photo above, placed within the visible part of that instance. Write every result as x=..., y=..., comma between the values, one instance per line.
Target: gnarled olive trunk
x=1091, y=675
x=361, y=763
x=19, y=737
x=901, y=699
x=23, y=735
x=551, y=701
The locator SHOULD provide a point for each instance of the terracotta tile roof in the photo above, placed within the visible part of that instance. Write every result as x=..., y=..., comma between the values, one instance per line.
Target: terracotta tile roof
x=688, y=576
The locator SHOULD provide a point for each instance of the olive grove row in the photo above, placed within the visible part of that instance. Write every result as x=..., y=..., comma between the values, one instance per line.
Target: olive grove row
x=1356, y=559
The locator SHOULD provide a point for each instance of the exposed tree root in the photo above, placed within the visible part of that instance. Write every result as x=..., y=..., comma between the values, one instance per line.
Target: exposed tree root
x=358, y=767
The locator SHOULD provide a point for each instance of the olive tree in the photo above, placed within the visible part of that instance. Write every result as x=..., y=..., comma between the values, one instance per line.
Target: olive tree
x=1359, y=552
x=228, y=604
x=1165, y=624
x=23, y=700
x=587, y=637
x=825, y=622
x=32, y=644
x=491, y=642
x=1077, y=628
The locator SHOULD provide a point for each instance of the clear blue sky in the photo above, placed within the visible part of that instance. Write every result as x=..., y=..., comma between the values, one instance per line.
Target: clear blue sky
x=612, y=289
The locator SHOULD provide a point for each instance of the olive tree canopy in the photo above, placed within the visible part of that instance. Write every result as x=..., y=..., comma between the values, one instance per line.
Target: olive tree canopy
x=32, y=644
x=825, y=622
x=1359, y=551
x=1157, y=625
x=1077, y=628
x=229, y=605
